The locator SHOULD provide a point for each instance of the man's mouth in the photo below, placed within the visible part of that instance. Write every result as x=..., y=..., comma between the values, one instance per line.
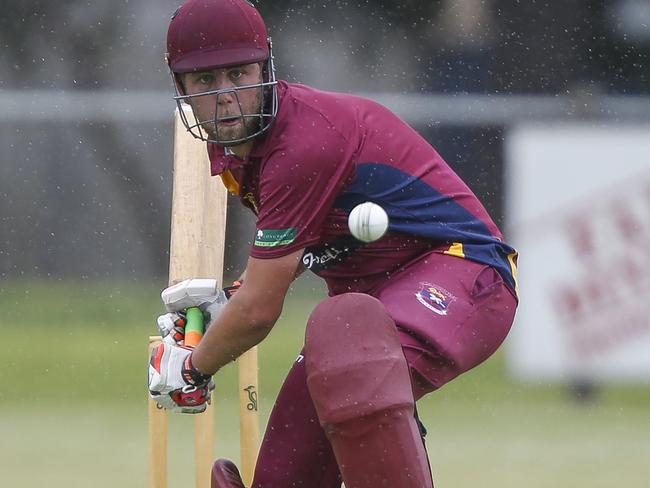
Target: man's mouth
x=229, y=120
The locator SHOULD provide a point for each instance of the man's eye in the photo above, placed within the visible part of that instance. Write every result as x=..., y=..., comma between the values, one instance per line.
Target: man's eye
x=236, y=74
x=206, y=79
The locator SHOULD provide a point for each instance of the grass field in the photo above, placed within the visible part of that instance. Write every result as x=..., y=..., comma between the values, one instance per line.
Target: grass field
x=73, y=403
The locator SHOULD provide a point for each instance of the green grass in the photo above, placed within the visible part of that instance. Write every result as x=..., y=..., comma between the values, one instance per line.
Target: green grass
x=73, y=403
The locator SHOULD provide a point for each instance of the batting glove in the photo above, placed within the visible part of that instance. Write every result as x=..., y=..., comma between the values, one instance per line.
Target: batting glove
x=197, y=292
x=174, y=383
x=203, y=293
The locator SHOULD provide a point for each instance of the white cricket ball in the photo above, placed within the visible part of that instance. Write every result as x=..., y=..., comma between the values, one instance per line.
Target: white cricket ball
x=368, y=222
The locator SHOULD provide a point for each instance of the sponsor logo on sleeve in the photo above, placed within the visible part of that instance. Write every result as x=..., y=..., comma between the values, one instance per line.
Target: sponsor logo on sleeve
x=435, y=298
x=275, y=237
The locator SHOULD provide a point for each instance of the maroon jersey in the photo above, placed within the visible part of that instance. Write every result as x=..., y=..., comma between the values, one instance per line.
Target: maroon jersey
x=326, y=153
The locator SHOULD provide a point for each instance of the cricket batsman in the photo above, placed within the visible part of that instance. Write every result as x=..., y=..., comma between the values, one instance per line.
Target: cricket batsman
x=431, y=298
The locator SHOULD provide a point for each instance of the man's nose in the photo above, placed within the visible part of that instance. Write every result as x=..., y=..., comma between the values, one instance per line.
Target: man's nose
x=228, y=87
x=228, y=96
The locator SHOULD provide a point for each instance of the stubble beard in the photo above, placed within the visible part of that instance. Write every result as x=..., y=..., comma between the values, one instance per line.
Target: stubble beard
x=248, y=125
x=227, y=134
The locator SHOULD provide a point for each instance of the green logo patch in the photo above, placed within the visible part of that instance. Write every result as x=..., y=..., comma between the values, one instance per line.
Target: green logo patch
x=275, y=237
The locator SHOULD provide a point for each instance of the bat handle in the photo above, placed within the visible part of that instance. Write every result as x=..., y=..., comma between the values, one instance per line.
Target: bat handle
x=194, y=327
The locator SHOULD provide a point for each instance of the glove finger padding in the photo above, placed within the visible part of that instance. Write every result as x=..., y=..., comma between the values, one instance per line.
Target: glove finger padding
x=172, y=328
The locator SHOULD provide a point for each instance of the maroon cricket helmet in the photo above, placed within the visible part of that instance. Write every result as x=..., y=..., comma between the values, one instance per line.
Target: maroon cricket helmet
x=213, y=34
x=206, y=34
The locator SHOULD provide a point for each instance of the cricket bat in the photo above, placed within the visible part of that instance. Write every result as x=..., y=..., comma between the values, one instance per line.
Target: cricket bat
x=198, y=233
x=198, y=227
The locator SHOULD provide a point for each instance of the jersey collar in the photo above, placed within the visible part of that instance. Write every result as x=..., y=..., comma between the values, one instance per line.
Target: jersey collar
x=222, y=159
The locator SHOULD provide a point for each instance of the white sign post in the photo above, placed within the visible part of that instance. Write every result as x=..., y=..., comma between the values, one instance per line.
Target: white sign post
x=578, y=211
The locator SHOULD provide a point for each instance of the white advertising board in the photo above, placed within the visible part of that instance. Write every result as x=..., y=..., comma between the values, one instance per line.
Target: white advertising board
x=578, y=212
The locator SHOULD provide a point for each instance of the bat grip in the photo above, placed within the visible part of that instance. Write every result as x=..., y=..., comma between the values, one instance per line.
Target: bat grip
x=194, y=327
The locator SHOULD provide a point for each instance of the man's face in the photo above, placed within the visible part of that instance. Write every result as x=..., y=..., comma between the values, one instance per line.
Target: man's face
x=228, y=107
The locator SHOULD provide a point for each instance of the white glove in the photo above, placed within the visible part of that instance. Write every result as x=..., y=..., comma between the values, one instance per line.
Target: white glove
x=198, y=292
x=204, y=293
x=174, y=383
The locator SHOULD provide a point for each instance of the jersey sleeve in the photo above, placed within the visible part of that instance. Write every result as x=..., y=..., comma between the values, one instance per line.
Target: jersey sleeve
x=298, y=186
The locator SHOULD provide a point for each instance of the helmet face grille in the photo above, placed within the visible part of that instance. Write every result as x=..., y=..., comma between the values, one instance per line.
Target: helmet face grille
x=265, y=117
